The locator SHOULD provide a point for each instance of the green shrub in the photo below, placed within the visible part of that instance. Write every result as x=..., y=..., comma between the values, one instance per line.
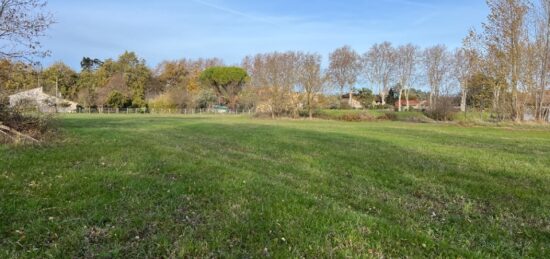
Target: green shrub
x=117, y=100
x=345, y=115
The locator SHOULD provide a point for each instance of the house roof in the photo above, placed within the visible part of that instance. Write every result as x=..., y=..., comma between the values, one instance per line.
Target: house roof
x=37, y=94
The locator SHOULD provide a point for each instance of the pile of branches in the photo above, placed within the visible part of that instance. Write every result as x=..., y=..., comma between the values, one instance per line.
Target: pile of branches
x=18, y=128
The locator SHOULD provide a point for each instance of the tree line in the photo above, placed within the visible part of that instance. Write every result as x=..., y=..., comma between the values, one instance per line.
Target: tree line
x=503, y=67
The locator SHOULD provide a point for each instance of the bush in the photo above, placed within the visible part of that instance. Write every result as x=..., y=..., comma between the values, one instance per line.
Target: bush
x=345, y=115
x=305, y=113
x=36, y=126
x=443, y=111
x=384, y=107
x=390, y=116
x=117, y=100
x=356, y=117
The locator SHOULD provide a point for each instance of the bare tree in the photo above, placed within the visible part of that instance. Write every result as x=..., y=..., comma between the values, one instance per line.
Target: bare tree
x=494, y=66
x=274, y=75
x=310, y=79
x=462, y=74
x=344, y=69
x=542, y=23
x=379, y=67
x=436, y=65
x=406, y=64
x=465, y=65
x=22, y=23
x=505, y=33
x=530, y=76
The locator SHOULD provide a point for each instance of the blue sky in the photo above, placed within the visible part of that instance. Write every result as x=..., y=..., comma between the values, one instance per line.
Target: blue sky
x=230, y=29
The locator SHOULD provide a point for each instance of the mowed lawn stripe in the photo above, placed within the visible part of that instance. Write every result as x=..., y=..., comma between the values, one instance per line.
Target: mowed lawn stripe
x=127, y=186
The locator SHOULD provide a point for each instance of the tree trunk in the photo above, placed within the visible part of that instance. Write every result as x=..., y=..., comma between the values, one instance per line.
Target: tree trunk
x=515, y=63
x=543, y=70
x=341, y=97
x=496, y=101
x=407, y=99
x=309, y=101
x=538, y=104
x=515, y=105
x=431, y=100
x=399, y=103
x=463, y=100
x=350, y=101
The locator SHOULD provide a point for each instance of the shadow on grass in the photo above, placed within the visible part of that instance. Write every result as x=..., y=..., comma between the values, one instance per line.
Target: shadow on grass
x=236, y=189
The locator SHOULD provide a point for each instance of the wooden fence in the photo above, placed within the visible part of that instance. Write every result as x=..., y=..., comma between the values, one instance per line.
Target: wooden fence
x=162, y=111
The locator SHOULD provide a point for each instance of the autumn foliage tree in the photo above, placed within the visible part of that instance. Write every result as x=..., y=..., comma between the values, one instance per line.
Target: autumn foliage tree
x=61, y=80
x=505, y=34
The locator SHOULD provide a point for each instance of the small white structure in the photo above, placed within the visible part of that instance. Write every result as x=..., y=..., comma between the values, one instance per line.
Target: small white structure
x=43, y=102
x=355, y=104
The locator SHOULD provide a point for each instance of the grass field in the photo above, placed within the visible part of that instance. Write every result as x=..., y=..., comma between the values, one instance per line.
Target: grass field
x=153, y=186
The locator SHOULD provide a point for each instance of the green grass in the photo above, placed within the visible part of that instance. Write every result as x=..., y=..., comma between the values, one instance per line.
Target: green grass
x=472, y=116
x=340, y=112
x=336, y=113
x=371, y=115
x=171, y=186
x=412, y=116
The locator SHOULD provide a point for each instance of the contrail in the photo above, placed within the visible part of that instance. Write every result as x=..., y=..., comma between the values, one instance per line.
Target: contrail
x=233, y=11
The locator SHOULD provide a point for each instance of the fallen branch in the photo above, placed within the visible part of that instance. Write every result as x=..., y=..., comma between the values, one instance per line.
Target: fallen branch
x=6, y=130
x=8, y=135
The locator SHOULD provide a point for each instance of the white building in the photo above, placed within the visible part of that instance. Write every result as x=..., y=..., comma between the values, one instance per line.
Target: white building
x=43, y=102
x=355, y=104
